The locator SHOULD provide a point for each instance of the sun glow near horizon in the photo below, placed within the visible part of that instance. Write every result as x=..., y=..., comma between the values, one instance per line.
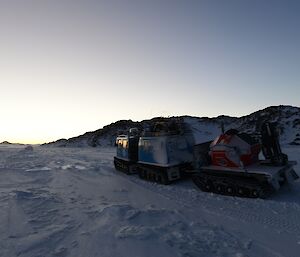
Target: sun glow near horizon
x=68, y=68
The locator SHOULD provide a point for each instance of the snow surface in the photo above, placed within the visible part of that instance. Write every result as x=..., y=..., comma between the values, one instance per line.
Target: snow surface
x=72, y=202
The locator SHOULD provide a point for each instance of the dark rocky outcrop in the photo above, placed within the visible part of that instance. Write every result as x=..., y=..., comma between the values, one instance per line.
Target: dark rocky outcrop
x=286, y=117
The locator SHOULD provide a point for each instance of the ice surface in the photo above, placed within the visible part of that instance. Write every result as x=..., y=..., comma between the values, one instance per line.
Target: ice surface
x=72, y=202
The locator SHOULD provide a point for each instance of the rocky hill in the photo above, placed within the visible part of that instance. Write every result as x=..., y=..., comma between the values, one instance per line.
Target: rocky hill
x=5, y=143
x=286, y=117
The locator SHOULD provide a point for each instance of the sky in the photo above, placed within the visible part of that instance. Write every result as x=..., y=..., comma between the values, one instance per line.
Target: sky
x=69, y=66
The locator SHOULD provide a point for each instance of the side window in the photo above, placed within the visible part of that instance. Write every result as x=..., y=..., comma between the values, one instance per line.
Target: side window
x=125, y=143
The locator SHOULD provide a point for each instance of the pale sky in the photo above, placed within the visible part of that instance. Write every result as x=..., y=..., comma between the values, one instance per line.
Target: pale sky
x=69, y=66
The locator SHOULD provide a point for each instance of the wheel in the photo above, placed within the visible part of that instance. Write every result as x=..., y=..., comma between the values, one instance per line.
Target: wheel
x=164, y=179
x=230, y=190
x=142, y=174
x=204, y=185
x=242, y=191
x=148, y=175
x=209, y=187
x=255, y=193
x=153, y=177
x=159, y=179
x=132, y=170
x=126, y=170
x=219, y=189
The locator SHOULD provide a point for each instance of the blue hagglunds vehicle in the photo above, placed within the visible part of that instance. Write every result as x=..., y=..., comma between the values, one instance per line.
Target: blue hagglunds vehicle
x=161, y=153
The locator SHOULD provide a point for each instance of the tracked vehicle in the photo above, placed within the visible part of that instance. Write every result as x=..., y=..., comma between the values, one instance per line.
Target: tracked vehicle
x=127, y=151
x=163, y=152
x=231, y=165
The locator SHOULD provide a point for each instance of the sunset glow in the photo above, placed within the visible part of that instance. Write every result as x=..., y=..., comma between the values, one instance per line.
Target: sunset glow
x=68, y=67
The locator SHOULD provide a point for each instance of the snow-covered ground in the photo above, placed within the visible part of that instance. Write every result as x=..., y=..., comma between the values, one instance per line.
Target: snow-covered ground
x=72, y=202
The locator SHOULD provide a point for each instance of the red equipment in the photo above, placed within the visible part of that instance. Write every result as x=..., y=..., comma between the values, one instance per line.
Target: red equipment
x=234, y=150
